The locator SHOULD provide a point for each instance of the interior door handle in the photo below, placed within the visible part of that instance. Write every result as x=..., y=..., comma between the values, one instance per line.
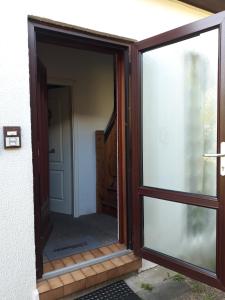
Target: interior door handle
x=214, y=155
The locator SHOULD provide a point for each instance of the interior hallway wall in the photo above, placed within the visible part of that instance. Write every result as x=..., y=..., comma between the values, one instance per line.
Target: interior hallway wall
x=92, y=101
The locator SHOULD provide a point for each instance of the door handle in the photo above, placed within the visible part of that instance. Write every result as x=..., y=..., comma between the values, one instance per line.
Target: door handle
x=214, y=155
x=218, y=155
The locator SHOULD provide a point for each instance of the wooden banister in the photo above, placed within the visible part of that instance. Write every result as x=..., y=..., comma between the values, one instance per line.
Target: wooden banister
x=112, y=120
x=106, y=162
x=106, y=168
x=110, y=124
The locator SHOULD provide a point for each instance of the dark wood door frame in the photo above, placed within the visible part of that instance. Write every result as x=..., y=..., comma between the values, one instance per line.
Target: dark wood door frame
x=139, y=191
x=213, y=6
x=68, y=37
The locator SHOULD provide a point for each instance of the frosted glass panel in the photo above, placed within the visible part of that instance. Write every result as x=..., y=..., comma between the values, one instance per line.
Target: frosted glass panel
x=179, y=98
x=183, y=231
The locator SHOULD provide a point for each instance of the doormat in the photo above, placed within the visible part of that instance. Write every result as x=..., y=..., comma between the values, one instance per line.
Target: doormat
x=73, y=246
x=115, y=291
x=59, y=248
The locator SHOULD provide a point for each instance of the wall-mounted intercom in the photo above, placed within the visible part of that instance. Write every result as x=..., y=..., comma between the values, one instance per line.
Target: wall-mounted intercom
x=12, y=137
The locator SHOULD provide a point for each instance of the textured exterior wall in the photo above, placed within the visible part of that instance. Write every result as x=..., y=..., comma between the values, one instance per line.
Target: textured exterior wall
x=131, y=18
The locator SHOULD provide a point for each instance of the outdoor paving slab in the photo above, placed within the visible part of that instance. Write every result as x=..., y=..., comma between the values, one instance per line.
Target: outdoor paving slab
x=168, y=290
x=160, y=283
x=153, y=276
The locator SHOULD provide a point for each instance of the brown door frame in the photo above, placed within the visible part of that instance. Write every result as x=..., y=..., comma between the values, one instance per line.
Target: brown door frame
x=139, y=191
x=214, y=6
x=81, y=39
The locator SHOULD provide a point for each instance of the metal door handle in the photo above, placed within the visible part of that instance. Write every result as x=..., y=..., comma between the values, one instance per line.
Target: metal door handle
x=214, y=155
x=222, y=157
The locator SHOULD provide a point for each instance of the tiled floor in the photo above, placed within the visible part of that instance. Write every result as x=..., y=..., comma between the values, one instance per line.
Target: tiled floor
x=87, y=277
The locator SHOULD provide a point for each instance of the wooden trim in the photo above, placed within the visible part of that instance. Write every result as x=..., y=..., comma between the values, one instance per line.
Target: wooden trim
x=77, y=31
x=66, y=36
x=138, y=191
x=34, y=123
x=61, y=34
x=181, y=33
x=221, y=137
x=182, y=267
x=135, y=146
x=214, y=6
x=121, y=145
x=128, y=123
x=186, y=198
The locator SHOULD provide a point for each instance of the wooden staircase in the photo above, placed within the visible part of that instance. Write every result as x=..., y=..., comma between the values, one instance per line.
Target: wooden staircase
x=106, y=168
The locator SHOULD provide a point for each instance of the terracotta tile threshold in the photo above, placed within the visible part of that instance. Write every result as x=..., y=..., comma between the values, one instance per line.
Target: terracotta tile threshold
x=81, y=257
x=78, y=280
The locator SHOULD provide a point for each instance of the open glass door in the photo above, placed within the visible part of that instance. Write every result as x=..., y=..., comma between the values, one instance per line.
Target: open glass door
x=178, y=153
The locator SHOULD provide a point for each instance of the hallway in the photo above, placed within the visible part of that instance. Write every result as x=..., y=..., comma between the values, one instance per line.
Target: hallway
x=73, y=235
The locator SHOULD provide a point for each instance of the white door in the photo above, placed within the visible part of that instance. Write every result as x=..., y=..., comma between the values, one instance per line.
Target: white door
x=60, y=150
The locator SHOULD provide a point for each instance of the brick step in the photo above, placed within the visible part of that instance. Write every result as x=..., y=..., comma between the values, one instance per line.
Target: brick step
x=81, y=257
x=81, y=279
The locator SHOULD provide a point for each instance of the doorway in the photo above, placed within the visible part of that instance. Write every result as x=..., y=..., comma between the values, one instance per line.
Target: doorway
x=151, y=191
x=107, y=217
x=82, y=131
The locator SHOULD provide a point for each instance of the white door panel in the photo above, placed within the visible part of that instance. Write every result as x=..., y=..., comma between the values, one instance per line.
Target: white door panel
x=60, y=152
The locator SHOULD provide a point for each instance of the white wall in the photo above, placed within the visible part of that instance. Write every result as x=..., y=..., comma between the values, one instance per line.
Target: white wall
x=92, y=101
x=132, y=18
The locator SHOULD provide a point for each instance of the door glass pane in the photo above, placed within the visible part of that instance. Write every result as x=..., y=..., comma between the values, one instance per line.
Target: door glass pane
x=179, y=118
x=183, y=231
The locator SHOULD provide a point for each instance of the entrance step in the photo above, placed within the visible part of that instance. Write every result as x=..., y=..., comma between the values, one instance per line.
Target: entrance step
x=56, y=264
x=81, y=279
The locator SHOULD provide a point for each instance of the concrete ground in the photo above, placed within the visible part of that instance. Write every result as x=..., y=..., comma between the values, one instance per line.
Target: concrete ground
x=158, y=283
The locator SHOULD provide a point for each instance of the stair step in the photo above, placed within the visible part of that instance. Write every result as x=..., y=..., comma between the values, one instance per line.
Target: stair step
x=78, y=280
x=77, y=258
